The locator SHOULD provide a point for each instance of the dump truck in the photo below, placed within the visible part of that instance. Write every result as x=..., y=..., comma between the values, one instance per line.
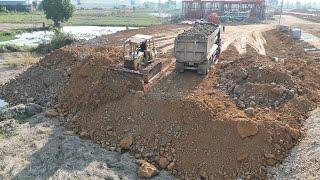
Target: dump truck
x=198, y=48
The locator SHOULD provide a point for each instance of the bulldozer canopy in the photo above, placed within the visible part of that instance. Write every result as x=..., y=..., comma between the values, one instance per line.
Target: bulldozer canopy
x=138, y=38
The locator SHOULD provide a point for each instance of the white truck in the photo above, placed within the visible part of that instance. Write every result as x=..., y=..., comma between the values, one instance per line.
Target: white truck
x=198, y=48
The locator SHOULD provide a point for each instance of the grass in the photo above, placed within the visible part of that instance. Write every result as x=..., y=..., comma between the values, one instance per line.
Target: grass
x=27, y=59
x=15, y=48
x=2, y=136
x=9, y=35
x=87, y=17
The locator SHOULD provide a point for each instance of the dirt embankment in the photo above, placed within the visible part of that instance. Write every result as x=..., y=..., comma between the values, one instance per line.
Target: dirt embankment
x=232, y=123
x=41, y=82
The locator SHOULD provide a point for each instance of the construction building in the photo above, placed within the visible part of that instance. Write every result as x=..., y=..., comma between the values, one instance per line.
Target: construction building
x=198, y=9
x=15, y=5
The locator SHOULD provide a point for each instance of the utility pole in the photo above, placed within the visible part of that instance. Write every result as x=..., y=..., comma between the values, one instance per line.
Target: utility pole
x=159, y=7
x=175, y=5
x=281, y=12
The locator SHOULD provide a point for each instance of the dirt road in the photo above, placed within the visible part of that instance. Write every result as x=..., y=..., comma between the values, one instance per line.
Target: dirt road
x=241, y=36
x=307, y=28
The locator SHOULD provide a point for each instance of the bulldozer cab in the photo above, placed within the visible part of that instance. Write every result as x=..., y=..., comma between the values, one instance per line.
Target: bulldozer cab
x=139, y=58
x=138, y=50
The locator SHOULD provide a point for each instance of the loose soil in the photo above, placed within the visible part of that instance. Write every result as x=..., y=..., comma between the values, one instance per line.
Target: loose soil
x=303, y=161
x=195, y=122
x=190, y=120
x=42, y=148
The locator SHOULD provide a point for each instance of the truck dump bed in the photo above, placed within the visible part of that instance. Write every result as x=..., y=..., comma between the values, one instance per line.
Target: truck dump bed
x=197, y=45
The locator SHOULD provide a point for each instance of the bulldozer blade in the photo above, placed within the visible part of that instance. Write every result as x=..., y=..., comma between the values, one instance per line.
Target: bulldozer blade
x=145, y=75
x=151, y=71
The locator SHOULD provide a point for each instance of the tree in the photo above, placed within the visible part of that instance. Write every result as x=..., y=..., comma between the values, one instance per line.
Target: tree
x=298, y=5
x=34, y=4
x=58, y=10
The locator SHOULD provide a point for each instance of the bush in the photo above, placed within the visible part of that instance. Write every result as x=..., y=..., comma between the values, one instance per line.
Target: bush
x=59, y=40
x=3, y=9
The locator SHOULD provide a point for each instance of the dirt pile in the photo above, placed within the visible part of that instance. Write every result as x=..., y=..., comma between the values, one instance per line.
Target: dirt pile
x=184, y=123
x=203, y=133
x=251, y=82
x=290, y=86
x=41, y=82
x=199, y=31
x=188, y=134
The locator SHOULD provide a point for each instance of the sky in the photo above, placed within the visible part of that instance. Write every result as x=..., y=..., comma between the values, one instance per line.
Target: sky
x=279, y=0
x=302, y=1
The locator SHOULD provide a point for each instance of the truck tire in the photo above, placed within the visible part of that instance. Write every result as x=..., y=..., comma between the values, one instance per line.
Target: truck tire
x=179, y=67
x=203, y=69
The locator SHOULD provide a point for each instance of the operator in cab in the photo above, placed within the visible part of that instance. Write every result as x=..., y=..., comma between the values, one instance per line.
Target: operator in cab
x=143, y=46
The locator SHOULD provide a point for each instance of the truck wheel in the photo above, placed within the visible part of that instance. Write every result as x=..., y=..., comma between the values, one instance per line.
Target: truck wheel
x=203, y=69
x=179, y=67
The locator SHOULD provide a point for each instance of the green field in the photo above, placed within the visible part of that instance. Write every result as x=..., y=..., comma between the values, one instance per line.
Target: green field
x=88, y=17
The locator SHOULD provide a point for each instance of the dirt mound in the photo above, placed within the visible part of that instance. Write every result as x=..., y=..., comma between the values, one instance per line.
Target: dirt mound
x=201, y=133
x=259, y=81
x=42, y=82
x=252, y=82
x=199, y=31
x=204, y=134
x=186, y=133
x=189, y=124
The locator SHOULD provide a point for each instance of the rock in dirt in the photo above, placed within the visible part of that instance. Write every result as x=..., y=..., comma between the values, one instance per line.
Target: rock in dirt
x=147, y=171
x=84, y=135
x=242, y=157
x=163, y=162
x=20, y=111
x=250, y=111
x=126, y=143
x=32, y=108
x=247, y=128
x=270, y=159
x=51, y=113
x=294, y=133
x=203, y=174
x=171, y=166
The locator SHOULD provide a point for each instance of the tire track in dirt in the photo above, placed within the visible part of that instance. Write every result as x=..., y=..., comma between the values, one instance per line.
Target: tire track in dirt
x=242, y=36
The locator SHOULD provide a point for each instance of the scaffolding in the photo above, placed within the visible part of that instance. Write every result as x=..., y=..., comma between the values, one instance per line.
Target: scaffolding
x=198, y=9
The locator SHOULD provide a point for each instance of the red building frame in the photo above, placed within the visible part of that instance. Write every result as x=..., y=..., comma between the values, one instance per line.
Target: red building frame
x=197, y=9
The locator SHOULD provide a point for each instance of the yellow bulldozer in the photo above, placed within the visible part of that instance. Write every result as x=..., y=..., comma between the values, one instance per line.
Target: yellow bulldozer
x=140, y=58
